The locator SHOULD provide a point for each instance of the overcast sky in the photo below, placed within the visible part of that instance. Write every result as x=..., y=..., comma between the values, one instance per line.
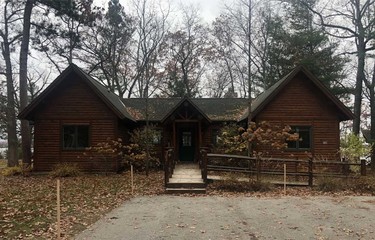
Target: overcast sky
x=209, y=9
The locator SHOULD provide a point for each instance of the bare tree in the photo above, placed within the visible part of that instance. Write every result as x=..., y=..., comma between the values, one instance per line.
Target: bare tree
x=107, y=48
x=224, y=64
x=185, y=52
x=351, y=19
x=369, y=81
x=10, y=16
x=24, y=100
x=151, y=27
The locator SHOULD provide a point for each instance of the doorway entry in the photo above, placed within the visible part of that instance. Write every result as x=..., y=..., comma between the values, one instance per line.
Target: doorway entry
x=187, y=143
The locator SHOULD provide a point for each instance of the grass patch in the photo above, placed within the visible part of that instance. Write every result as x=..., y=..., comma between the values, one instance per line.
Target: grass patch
x=3, y=163
x=233, y=183
x=28, y=205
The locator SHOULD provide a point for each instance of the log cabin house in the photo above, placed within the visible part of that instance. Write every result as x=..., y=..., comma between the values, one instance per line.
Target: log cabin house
x=75, y=111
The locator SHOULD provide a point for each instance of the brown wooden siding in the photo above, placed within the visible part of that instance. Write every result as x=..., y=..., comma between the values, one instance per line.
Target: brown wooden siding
x=74, y=103
x=302, y=104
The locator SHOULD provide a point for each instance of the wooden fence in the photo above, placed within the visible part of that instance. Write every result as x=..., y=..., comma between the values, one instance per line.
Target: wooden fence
x=298, y=169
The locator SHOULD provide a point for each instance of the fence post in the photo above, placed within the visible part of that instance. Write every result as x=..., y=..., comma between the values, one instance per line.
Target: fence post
x=258, y=167
x=311, y=175
x=363, y=167
x=204, y=165
x=58, y=210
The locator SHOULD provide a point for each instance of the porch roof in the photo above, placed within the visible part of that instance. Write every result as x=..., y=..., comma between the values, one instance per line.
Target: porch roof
x=216, y=109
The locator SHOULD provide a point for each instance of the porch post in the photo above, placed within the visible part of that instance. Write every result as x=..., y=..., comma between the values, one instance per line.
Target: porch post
x=174, y=139
x=199, y=134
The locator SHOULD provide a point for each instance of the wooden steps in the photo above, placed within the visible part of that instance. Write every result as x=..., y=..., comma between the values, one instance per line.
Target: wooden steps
x=186, y=178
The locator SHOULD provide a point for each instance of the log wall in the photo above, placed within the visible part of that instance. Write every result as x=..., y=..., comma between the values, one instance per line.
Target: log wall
x=301, y=103
x=72, y=103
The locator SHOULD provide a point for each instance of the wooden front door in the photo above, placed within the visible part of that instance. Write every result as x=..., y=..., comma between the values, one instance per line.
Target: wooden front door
x=187, y=144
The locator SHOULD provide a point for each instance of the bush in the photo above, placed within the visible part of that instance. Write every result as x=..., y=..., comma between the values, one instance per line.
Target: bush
x=65, y=170
x=11, y=171
x=16, y=170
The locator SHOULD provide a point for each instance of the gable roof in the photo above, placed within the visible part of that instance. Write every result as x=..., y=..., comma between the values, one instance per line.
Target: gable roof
x=182, y=101
x=213, y=109
x=109, y=98
x=260, y=102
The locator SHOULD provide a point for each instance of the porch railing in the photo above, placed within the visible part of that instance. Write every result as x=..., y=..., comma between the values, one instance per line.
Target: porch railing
x=203, y=162
x=169, y=164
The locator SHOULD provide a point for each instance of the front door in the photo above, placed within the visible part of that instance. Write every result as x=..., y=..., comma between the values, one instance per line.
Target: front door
x=186, y=145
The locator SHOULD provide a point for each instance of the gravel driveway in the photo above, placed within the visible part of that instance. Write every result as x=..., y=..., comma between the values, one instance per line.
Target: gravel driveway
x=213, y=217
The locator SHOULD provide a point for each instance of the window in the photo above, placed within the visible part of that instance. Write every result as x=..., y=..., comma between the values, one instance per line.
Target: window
x=186, y=139
x=156, y=138
x=75, y=136
x=304, y=141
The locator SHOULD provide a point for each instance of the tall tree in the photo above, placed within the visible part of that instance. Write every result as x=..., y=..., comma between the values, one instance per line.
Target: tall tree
x=107, y=48
x=351, y=19
x=308, y=45
x=225, y=68
x=185, y=52
x=24, y=100
x=60, y=27
x=10, y=15
x=369, y=81
x=151, y=27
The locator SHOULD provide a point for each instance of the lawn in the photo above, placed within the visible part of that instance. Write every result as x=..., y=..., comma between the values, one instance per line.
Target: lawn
x=28, y=204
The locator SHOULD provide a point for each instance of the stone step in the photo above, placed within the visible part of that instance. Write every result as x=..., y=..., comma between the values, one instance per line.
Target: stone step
x=186, y=185
x=185, y=190
x=186, y=178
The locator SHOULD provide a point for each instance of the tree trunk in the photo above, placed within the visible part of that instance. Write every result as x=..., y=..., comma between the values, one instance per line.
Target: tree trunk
x=361, y=49
x=358, y=86
x=25, y=128
x=10, y=109
x=249, y=117
x=372, y=112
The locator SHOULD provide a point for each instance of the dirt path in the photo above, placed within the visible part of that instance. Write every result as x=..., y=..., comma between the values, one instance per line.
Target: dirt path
x=210, y=217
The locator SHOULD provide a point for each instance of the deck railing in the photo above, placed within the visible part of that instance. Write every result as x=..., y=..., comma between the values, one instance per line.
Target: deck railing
x=306, y=169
